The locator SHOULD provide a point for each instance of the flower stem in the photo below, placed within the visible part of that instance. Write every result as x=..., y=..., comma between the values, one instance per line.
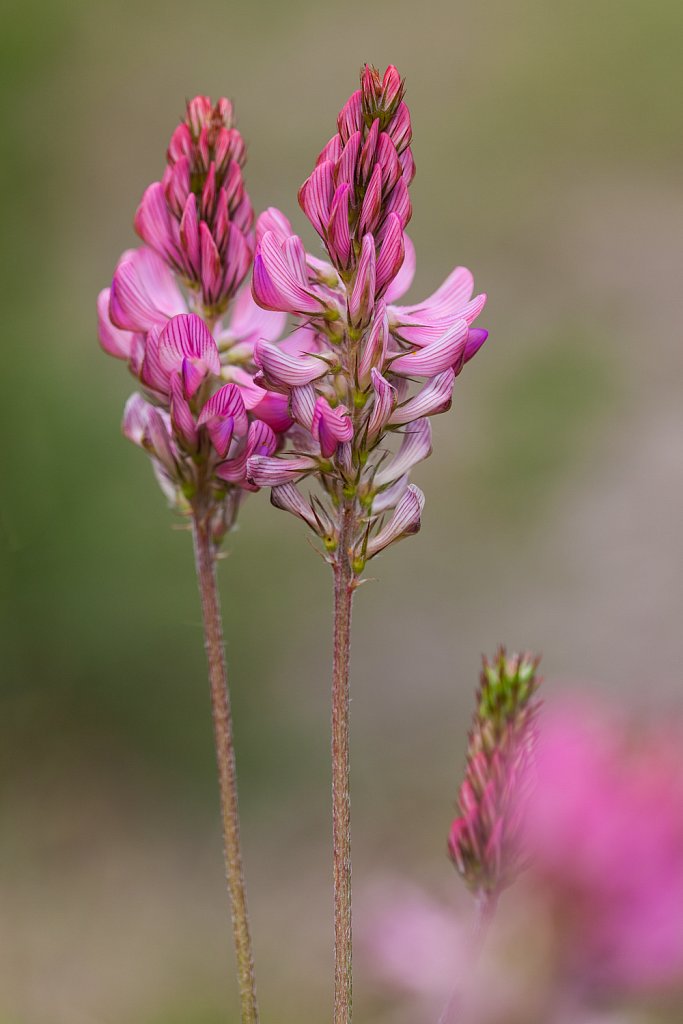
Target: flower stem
x=225, y=755
x=485, y=912
x=341, y=796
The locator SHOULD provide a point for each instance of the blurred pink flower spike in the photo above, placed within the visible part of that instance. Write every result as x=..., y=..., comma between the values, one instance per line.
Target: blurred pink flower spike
x=485, y=841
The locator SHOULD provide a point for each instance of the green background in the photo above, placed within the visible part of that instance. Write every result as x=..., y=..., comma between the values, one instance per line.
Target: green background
x=548, y=144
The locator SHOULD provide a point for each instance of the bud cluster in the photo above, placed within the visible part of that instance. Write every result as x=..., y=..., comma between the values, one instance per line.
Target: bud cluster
x=199, y=217
x=360, y=368
x=201, y=415
x=485, y=840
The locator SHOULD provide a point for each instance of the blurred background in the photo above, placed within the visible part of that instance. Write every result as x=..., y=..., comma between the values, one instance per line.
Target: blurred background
x=548, y=144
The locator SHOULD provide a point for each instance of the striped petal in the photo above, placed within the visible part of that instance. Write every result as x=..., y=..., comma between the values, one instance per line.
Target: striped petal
x=437, y=356
x=415, y=446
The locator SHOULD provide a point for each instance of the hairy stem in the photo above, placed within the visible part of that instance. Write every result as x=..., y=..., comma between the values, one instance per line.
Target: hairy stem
x=341, y=797
x=225, y=755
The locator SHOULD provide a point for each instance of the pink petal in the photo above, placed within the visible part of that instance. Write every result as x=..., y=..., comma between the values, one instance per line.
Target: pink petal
x=226, y=402
x=273, y=220
x=403, y=280
x=181, y=415
x=302, y=403
x=143, y=292
x=338, y=236
x=372, y=203
x=113, y=340
x=289, y=499
x=415, y=446
x=389, y=496
x=391, y=253
x=315, y=196
x=189, y=236
x=281, y=368
x=249, y=322
x=264, y=471
x=404, y=522
x=155, y=226
x=436, y=357
x=375, y=345
x=345, y=169
x=434, y=398
x=273, y=409
x=362, y=297
x=274, y=285
x=330, y=426
x=385, y=400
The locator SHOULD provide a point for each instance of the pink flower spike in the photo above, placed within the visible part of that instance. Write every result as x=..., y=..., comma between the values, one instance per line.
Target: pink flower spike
x=315, y=196
x=362, y=297
x=143, y=292
x=385, y=400
x=114, y=341
x=403, y=280
x=391, y=253
x=330, y=427
x=415, y=446
x=284, y=369
x=436, y=357
x=435, y=397
x=264, y=471
x=405, y=521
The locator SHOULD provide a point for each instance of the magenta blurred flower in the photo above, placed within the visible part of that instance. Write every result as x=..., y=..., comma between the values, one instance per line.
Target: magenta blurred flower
x=605, y=831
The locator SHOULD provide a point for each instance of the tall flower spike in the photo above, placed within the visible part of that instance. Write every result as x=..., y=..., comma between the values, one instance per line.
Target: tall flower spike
x=203, y=414
x=485, y=840
x=370, y=371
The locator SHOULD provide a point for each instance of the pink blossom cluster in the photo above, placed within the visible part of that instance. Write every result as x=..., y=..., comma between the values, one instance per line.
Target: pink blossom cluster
x=361, y=367
x=201, y=415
